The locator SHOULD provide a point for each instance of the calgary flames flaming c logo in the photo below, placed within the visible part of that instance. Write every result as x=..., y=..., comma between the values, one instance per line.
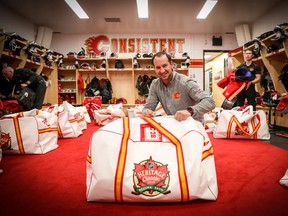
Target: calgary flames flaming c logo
x=97, y=44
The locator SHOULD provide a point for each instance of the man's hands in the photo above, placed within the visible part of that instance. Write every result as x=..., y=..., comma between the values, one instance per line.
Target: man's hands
x=180, y=115
x=149, y=113
x=248, y=85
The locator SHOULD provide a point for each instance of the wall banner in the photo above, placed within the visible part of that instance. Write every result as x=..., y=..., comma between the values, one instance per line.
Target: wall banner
x=102, y=43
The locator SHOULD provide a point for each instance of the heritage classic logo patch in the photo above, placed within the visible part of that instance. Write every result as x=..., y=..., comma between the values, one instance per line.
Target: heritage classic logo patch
x=151, y=178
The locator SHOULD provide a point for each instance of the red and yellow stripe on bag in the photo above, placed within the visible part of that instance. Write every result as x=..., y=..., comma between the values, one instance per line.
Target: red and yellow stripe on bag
x=180, y=157
x=18, y=132
x=234, y=119
x=89, y=159
x=60, y=134
x=207, y=152
x=73, y=120
x=121, y=162
x=47, y=130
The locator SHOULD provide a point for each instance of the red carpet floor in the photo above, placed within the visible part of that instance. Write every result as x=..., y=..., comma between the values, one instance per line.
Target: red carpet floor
x=248, y=175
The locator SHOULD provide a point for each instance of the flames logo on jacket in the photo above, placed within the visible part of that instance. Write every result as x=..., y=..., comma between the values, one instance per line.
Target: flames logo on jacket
x=151, y=178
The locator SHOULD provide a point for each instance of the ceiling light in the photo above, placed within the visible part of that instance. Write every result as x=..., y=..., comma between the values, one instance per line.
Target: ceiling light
x=142, y=7
x=74, y=5
x=207, y=8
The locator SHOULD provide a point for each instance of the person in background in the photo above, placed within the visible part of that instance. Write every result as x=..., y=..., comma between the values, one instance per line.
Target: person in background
x=7, y=82
x=25, y=77
x=249, y=93
x=178, y=94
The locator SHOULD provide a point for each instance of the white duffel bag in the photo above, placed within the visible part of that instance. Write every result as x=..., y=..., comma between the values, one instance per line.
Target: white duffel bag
x=245, y=124
x=151, y=160
x=30, y=132
x=68, y=124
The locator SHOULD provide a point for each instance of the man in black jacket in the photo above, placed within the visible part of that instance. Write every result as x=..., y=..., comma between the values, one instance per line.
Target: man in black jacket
x=28, y=78
x=25, y=77
x=250, y=92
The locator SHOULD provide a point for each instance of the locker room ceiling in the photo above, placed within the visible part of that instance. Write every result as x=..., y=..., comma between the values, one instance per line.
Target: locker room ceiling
x=165, y=16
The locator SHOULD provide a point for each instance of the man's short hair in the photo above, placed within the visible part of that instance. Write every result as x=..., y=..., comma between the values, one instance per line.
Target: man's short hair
x=251, y=50
x=159, y=54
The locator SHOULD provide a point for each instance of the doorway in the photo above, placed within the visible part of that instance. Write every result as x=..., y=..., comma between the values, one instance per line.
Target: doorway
x=215, y=64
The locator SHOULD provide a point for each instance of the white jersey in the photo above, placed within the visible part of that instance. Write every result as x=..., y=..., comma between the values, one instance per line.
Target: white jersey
x=151, y=159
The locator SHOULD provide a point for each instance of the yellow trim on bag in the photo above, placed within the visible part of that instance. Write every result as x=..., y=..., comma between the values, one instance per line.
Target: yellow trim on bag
x=45, y=130
x=207, y=153
x=18, y=132
x=121, y=161
x=80, y=119
x=89, y=159
x=60, y=134
x=234, y=119
x=180, y=157
x=73, y=120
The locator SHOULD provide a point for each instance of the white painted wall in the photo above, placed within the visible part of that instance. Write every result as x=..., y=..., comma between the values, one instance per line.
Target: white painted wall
x=11, y=22
x=275, y=16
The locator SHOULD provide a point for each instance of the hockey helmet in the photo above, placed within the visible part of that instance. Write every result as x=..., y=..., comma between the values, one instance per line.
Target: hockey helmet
x=242, y=74
x=113, y=54
x=185, y=54
x=138, y=55
x=85, y=65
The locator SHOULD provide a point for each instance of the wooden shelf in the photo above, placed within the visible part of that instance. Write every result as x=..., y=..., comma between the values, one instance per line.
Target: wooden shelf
x=274, y=62
x=22, y=61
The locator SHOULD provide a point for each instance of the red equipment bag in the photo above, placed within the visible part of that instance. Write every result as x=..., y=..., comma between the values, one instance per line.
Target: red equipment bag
x=91, y=104
x=10, y=106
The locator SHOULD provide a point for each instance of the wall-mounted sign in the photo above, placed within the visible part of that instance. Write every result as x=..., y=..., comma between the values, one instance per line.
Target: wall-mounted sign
x=102, y=43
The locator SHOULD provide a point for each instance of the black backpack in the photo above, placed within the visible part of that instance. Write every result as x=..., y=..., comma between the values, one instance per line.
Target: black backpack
x=106, y=90
x=266, y=81
x=119, y=64
x=93, y=88
x=143, y=84
x=284, y=76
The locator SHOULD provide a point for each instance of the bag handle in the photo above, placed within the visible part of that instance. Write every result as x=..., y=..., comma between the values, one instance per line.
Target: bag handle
x=255, y=128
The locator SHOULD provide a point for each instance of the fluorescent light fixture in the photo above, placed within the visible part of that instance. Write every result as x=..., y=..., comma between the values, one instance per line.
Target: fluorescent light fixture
x=142, y=7
x=74, y=5
x=207, y=8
